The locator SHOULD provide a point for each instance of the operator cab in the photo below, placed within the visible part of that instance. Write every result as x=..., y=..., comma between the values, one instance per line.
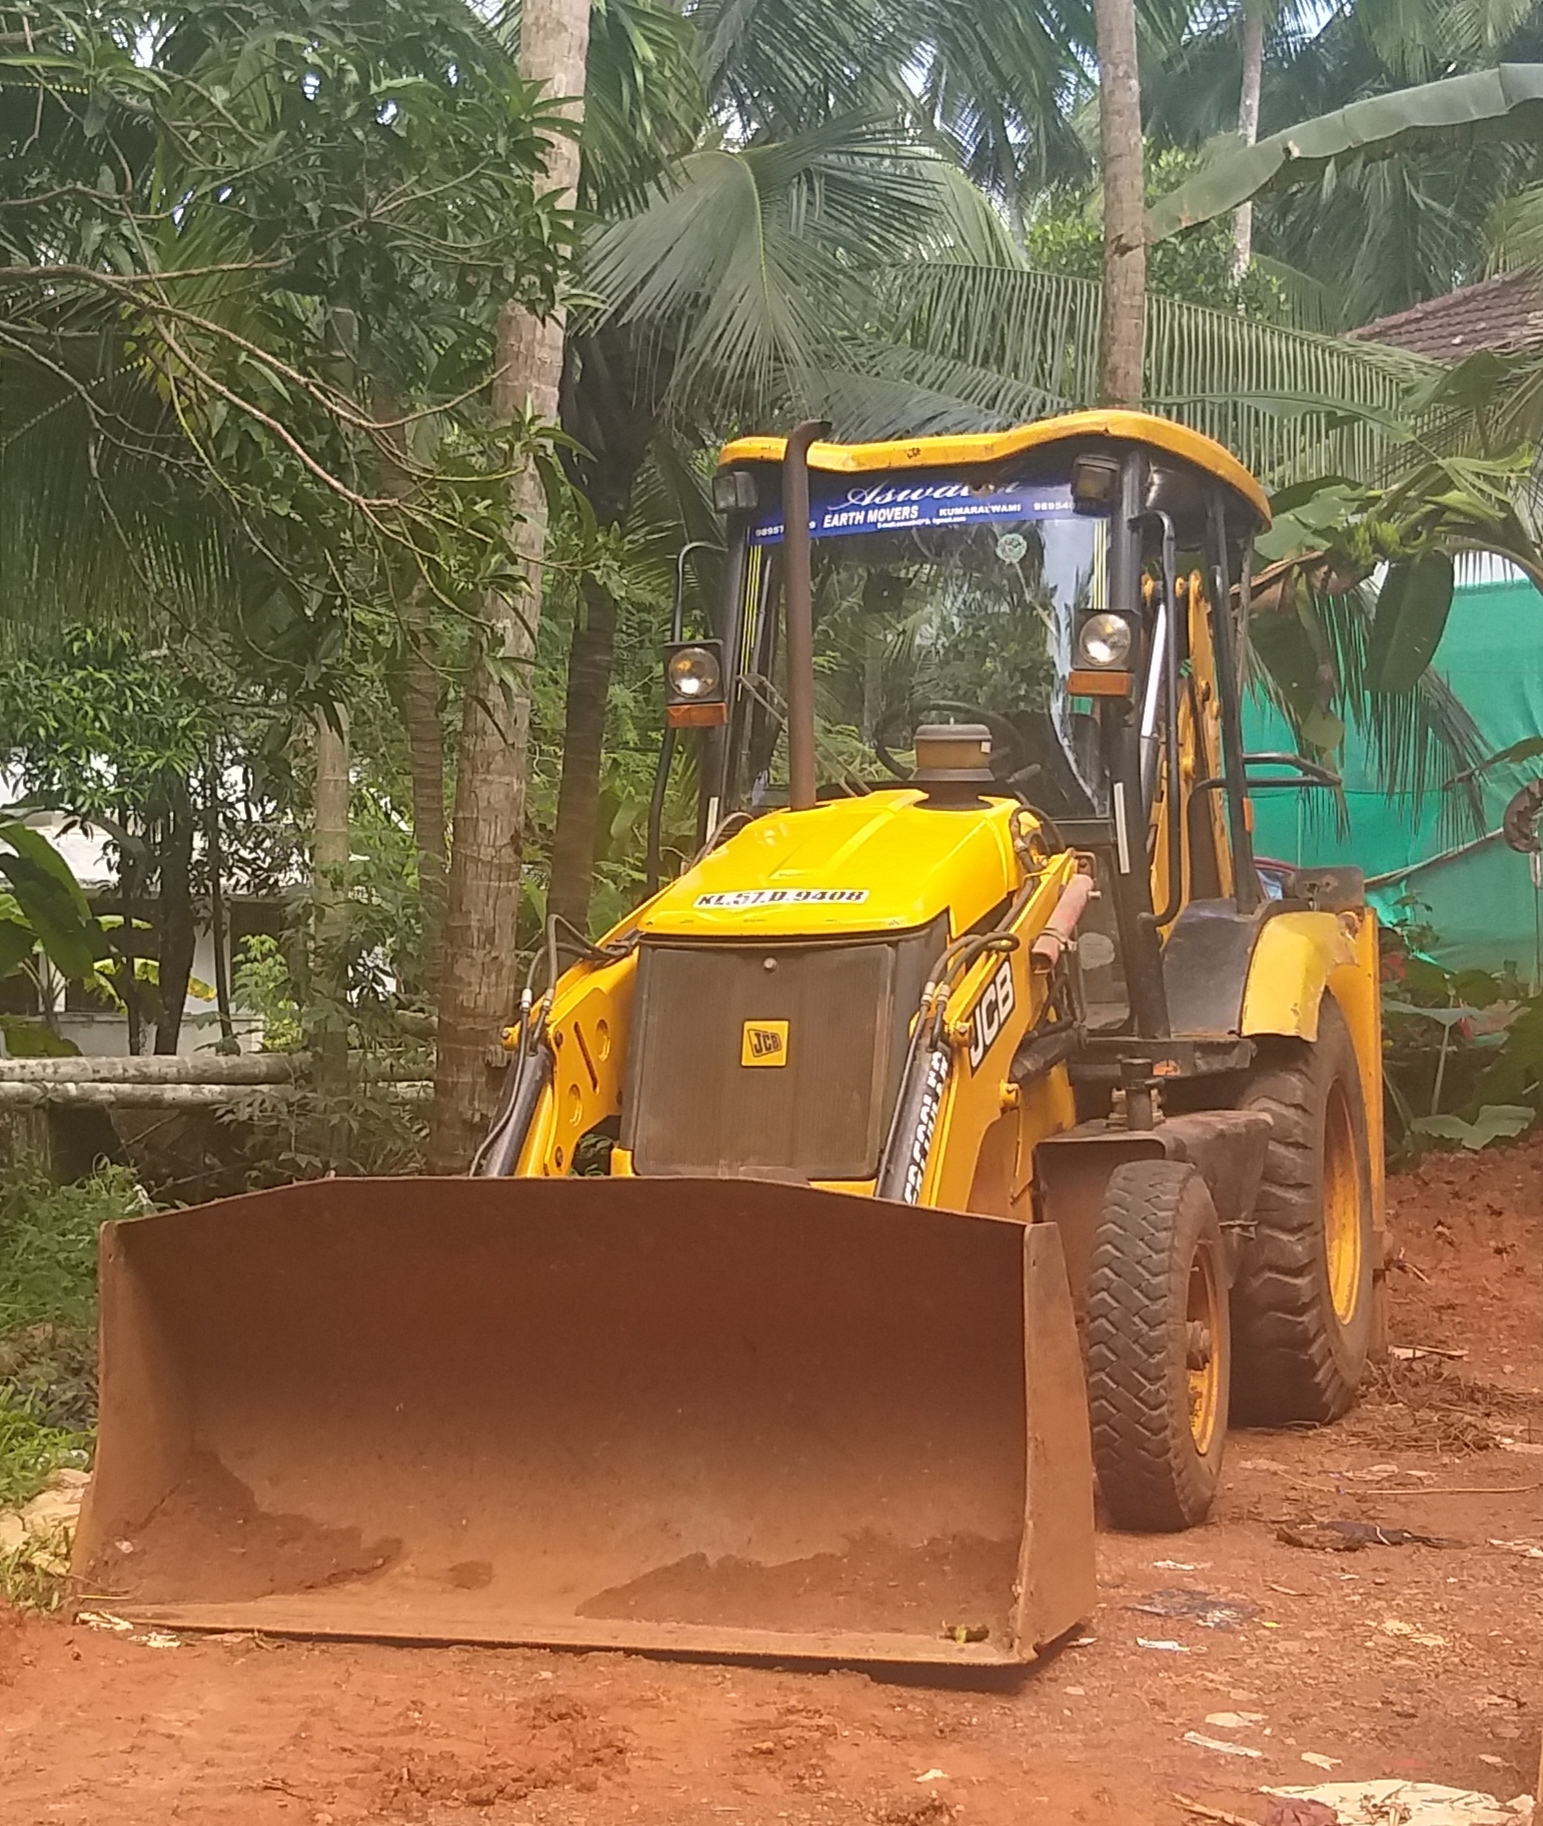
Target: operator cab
x=1077, y=588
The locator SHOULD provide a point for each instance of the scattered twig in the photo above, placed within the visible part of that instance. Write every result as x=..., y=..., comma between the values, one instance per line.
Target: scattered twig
x=275, y=1784
x=1402, y=1261
x=1456, y=1489
x=1201, y=1811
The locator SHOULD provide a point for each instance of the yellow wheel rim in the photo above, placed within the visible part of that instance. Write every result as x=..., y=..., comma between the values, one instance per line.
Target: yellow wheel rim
x=1205, y=1343
x=1342, y=1242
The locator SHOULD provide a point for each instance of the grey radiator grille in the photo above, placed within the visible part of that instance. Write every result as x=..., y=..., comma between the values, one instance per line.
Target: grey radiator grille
x=699, y=1102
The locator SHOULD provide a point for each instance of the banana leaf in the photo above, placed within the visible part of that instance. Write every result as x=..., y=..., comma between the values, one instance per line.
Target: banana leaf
x=1505, y=103
x=50, y=901
x=1412, y=610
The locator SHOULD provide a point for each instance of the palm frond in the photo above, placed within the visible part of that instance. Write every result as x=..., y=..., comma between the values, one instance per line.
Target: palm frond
x=644, y=101
x=1306, y=301
x=757, y=261
x=878, y=390
x=101, y=502
x=1416, y=738
x=783, y=65
x=1290, y=403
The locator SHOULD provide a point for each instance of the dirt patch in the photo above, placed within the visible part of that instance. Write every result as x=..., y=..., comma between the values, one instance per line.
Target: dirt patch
x=794, y=1742
x=963, y=1582
x=10, y=1645
x=209, y=1540
x=1470, y=1228
x=561, y=1745
x=924, y=1810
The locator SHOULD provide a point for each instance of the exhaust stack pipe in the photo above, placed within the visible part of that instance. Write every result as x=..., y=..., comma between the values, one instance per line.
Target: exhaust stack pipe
x=798, y=604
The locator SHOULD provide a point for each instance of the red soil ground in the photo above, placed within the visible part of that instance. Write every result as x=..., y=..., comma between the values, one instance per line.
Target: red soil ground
x=1417, y=1661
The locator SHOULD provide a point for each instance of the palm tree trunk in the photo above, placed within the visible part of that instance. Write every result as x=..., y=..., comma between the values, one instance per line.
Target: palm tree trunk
x=590, y=654
x=478, y=966
x=214, y=861
x=131, y=879
x=329, y=864
x=607, y=410
x=417, y=693
x=1123, y=330
x=1248, y=126
x=179, y=934
x=418, y=699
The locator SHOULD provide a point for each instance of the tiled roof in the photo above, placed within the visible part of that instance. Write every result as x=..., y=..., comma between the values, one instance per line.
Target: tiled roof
x=1503, y=315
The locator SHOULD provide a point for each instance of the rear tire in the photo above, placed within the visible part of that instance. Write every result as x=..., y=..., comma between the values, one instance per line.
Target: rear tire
x=1302, y=1302
x=1158, y=1347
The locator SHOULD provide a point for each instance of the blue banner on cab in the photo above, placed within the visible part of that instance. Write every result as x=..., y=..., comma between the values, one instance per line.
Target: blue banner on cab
x=839, y=506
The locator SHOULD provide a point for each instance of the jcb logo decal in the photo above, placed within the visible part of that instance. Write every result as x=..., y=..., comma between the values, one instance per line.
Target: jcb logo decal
x=764, y=1043
x=989, y=1016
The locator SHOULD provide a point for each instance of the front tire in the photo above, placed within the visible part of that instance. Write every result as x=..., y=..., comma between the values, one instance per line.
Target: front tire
x=1302, y=1302
x=1158, y=1347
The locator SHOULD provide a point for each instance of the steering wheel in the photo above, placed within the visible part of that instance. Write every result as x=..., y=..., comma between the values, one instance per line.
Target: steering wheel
x=1009, y=750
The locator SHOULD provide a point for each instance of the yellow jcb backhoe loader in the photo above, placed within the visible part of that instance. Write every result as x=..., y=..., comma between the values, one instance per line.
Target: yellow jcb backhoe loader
x=913, y=1155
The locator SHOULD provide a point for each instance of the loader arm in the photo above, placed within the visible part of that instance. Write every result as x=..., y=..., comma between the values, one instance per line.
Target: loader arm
x=987, y=1125
x=585, y=1037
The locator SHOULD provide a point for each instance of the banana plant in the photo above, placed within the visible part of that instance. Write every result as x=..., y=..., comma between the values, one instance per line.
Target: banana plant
x=42, y=908
x=1331, y=535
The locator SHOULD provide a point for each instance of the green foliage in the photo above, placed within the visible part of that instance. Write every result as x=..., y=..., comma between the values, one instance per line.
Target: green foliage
x=1494, y=1122
x=1412, y=609
x=1490, y=103
x=26, y=1038
x=29, y=1453
x=370, y=1128
x=98, y=723
x=760, y=263
x=262, y=983
x=978, y=342
x=311, y=204
x=1328, y=654
x=1462, y=1050
x=32, y=1577
x=48, y=1238
x=48, y=1245
x=1066, y=235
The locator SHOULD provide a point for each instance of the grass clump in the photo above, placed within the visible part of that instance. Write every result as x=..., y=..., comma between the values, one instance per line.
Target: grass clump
x=48, y=1236
x=48, y=1244
x=32, y=1576
x=30, y=1452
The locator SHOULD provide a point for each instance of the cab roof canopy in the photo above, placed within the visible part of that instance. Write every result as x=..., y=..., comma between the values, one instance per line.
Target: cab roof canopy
x=1076, y=430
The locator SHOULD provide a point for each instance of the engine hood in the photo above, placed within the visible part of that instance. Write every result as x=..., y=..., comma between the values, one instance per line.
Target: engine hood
x=880, y=863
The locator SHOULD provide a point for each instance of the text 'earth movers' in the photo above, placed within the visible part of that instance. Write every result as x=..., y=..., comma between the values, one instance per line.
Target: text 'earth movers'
x=913, y=1155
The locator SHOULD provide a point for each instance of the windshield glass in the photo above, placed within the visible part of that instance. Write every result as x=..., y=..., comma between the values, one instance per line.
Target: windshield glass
x=933, y=591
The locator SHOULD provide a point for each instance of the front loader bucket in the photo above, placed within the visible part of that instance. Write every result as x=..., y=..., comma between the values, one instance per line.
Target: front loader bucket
x=722, y=1416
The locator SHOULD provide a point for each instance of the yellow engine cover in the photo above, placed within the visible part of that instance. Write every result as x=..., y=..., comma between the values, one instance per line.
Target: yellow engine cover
x=884, y=862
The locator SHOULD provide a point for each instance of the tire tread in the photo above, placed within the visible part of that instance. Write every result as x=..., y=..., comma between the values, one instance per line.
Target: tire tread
x=1149, y=1471
x=1290, y=1360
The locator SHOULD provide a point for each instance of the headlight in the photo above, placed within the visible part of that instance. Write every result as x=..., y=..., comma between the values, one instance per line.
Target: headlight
x=693, y=673
x=1104, y=641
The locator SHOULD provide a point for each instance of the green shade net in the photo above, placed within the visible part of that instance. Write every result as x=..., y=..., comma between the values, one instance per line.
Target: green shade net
x=1478, y=897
